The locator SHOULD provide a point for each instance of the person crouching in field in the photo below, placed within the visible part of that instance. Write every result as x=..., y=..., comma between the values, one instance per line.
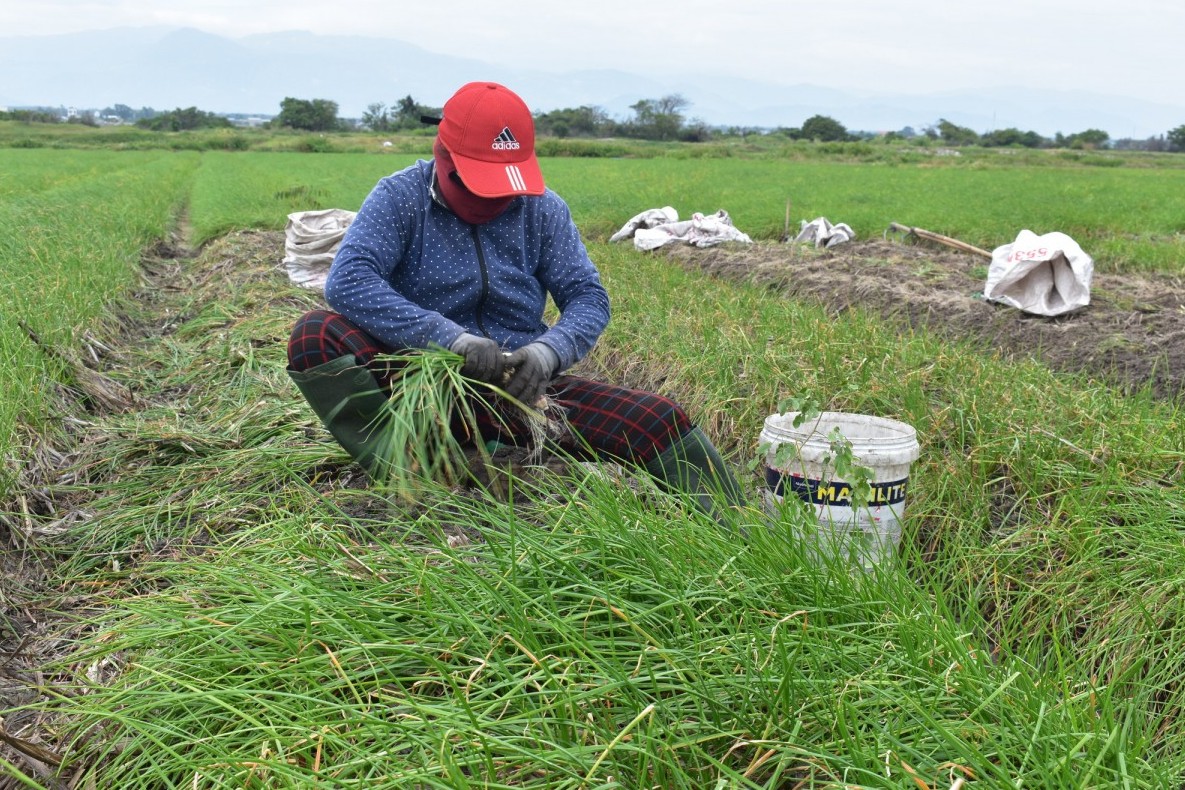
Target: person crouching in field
x=461, y=252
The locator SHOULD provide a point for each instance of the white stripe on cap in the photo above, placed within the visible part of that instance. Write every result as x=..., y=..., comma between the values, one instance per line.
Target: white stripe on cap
x=516, y=178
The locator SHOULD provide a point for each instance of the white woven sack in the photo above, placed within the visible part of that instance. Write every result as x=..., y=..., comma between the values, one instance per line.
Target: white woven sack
x=1045, y=275
x=822, y=233
x=311, y=239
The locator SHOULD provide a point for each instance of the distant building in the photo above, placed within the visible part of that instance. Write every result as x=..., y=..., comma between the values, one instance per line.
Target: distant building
x=250, y=121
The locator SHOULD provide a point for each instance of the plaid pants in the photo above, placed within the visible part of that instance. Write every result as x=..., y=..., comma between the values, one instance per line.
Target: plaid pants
x=617, y=423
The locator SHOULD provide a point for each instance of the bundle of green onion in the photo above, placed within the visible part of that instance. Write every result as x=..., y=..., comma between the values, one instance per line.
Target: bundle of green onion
x=430, y=419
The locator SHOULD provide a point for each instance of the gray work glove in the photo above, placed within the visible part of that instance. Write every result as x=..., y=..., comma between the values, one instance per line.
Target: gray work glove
x=483, y=357
x=534, y=365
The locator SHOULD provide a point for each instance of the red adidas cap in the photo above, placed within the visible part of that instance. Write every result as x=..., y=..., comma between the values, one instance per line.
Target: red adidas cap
x=490, y=133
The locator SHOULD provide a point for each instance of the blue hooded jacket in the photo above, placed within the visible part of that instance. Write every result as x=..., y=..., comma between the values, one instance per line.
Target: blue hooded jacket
x=413, y=275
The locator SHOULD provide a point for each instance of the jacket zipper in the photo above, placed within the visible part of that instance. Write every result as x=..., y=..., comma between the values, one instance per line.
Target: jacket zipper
x=485, y=280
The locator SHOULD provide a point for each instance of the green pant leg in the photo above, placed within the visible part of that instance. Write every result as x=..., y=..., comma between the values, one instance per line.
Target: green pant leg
x=693, y=465
x=348, y=400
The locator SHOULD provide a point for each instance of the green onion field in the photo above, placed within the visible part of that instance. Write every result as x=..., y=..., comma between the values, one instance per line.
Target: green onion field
x=199, y=590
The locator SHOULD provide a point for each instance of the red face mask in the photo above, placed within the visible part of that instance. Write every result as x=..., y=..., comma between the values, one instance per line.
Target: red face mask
x=466, y=205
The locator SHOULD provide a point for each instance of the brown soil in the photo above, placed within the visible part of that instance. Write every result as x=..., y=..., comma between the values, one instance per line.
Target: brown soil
x=1131, y=334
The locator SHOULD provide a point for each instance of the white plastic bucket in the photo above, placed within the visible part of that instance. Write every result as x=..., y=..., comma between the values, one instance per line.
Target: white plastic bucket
x=867, y=534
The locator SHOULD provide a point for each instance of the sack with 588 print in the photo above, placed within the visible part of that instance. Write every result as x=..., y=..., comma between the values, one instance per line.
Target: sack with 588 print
x=1044, y=275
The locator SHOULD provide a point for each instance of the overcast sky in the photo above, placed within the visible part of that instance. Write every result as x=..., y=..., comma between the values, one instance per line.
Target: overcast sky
x=1129, y=48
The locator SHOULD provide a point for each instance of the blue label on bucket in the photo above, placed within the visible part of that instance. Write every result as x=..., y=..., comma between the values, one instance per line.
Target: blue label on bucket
x=833, y=492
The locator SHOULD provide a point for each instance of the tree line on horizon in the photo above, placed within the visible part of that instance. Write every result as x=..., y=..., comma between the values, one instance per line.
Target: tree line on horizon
x=660, y=119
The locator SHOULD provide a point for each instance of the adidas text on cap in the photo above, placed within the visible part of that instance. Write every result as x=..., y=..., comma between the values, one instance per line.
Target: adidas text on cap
x=490, y=133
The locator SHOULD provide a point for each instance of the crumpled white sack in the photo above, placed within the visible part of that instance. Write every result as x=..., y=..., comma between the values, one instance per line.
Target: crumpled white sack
x=1045, y=275
x=822, y=233
x=699, y=231
x=311, y=239
x=647, y=219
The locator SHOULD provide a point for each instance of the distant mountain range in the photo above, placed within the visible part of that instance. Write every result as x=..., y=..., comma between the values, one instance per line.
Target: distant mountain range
x=165, y=68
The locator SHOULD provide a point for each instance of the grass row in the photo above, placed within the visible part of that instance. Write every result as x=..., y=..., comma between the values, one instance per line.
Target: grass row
x=236, y=191
x=29, y=172
x=257, y=624
x=723, y=144
x=69, y=248
x=1125, y=218
x=1048, y=505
